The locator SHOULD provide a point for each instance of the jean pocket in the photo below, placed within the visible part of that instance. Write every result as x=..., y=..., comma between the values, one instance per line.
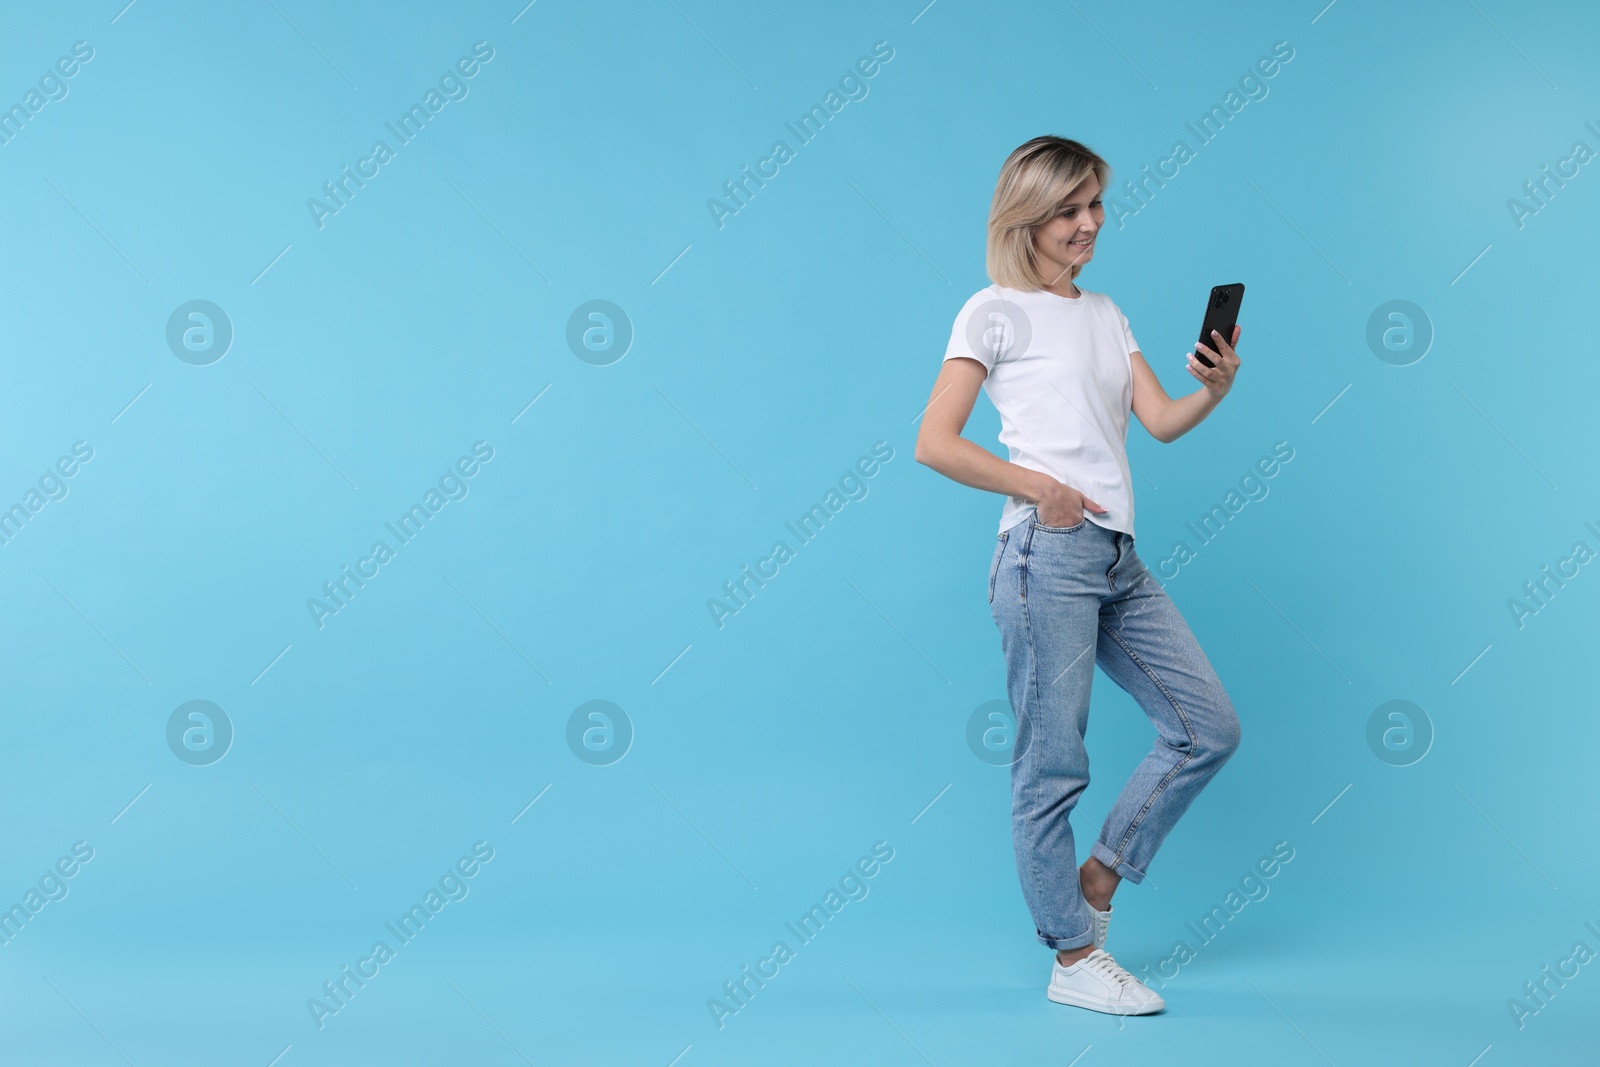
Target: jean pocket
x=994, y=566
x=1037, y=525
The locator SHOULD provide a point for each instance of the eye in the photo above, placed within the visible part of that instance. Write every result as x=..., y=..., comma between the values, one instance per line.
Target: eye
x=1095, y=202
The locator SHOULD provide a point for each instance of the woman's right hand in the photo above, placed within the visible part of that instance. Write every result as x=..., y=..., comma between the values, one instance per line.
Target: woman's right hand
x=1059, y=504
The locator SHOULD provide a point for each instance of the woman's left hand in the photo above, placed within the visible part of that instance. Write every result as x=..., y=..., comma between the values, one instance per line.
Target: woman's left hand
x=1218, y=379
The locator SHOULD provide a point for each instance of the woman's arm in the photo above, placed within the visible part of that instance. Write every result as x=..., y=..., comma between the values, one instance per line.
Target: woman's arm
x=1168, y=419
x=941, y=447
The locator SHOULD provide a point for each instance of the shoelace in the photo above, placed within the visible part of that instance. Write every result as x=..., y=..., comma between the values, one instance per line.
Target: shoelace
x=1102, y=964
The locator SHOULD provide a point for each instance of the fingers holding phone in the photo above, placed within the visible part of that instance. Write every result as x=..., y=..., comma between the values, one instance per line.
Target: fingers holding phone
x=1216, y=372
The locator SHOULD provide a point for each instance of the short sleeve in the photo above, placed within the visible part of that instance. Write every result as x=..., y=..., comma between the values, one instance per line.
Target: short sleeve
x=985, y=329
x=1127, y=334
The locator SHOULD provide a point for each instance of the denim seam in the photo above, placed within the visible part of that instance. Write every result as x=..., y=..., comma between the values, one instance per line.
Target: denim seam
x=1022, y=574
x=1000, y=558
x=1160, y=788
x=1024, y=548
x=1033, y=684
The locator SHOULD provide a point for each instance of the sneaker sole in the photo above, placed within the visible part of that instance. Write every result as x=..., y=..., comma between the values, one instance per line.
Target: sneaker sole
x=1077, y=1000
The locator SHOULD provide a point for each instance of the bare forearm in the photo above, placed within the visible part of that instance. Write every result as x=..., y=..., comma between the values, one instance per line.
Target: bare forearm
x=1177, y=417
x=971, y=464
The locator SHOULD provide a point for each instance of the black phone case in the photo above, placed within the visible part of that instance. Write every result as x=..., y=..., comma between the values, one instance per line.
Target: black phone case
x=1222, y=314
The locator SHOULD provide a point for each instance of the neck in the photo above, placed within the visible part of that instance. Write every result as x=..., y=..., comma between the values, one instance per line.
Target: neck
x=1063, y=283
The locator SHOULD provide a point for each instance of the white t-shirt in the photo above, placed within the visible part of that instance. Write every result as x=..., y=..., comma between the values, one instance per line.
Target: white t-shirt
x=1061, y=377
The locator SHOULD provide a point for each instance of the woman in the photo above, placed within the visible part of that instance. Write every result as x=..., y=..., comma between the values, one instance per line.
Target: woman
x=1062, y=368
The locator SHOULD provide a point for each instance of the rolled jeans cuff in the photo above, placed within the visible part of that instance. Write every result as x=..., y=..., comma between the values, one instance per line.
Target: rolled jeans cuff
x=1129, y=873
x=1086, y=938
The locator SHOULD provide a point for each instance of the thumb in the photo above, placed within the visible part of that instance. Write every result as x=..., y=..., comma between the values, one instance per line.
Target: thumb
x=1093, y=506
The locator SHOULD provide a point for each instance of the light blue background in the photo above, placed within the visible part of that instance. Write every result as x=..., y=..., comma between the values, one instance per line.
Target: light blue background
x=774, y=352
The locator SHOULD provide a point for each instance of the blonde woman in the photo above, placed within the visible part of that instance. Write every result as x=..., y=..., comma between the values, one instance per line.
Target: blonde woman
x=1066, y=589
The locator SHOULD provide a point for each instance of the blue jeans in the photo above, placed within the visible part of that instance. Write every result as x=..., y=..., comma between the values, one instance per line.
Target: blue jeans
x=1064, y=599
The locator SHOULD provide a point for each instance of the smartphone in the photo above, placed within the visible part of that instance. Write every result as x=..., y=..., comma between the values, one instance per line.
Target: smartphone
x=1222, y=314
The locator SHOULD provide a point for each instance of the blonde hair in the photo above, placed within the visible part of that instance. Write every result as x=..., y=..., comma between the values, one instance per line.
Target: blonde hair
x=1033, y=182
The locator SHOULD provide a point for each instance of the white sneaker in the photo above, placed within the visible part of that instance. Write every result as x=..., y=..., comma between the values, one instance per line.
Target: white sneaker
x=1102, y=920
x=1097, y=982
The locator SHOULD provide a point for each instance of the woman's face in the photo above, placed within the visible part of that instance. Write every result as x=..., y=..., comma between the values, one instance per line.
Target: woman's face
x=1067, y=241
